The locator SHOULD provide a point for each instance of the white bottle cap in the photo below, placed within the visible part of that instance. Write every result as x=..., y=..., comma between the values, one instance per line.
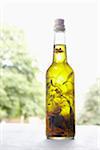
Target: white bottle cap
x=59, y=25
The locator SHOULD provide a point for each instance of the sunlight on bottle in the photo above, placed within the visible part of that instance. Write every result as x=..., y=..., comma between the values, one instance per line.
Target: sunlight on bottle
x=59, y=57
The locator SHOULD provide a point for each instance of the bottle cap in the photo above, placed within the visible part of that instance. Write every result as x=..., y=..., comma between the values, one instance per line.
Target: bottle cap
x=59, y=25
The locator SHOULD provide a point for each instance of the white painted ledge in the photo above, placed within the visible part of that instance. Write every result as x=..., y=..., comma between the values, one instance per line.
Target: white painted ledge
x=32, y=137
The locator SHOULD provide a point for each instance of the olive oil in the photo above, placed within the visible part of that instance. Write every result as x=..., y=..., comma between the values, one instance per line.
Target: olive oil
x=60, y=103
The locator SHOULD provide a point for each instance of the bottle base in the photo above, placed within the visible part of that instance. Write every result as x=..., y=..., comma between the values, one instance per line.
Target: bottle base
x=59, y=138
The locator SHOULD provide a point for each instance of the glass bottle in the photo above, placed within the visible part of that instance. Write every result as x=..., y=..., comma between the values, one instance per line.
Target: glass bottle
x=60, y=103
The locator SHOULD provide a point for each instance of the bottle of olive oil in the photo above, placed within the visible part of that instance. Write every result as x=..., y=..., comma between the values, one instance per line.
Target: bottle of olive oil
x=60, y=103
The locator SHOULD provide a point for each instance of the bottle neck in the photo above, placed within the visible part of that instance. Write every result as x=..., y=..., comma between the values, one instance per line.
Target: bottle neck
x=59, y=53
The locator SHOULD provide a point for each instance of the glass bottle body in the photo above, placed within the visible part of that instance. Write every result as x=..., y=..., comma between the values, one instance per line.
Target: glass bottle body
x=60, y=105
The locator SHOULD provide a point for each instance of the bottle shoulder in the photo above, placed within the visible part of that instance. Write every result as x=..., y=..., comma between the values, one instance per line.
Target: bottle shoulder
x=71, y=69
x=59, y=68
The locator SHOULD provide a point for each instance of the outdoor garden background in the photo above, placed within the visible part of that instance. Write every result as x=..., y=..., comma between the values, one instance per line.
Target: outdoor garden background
x=25, y=56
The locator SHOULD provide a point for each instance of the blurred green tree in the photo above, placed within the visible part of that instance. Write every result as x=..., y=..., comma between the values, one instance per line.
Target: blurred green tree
x=21, y=94
x=91, y=109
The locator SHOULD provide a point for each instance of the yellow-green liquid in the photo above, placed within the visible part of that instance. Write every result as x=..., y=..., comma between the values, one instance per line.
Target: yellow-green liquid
x=60, y=107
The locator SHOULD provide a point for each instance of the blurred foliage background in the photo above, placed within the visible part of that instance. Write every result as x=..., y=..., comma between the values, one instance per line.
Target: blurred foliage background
x=21, y=94
x=90, y=113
